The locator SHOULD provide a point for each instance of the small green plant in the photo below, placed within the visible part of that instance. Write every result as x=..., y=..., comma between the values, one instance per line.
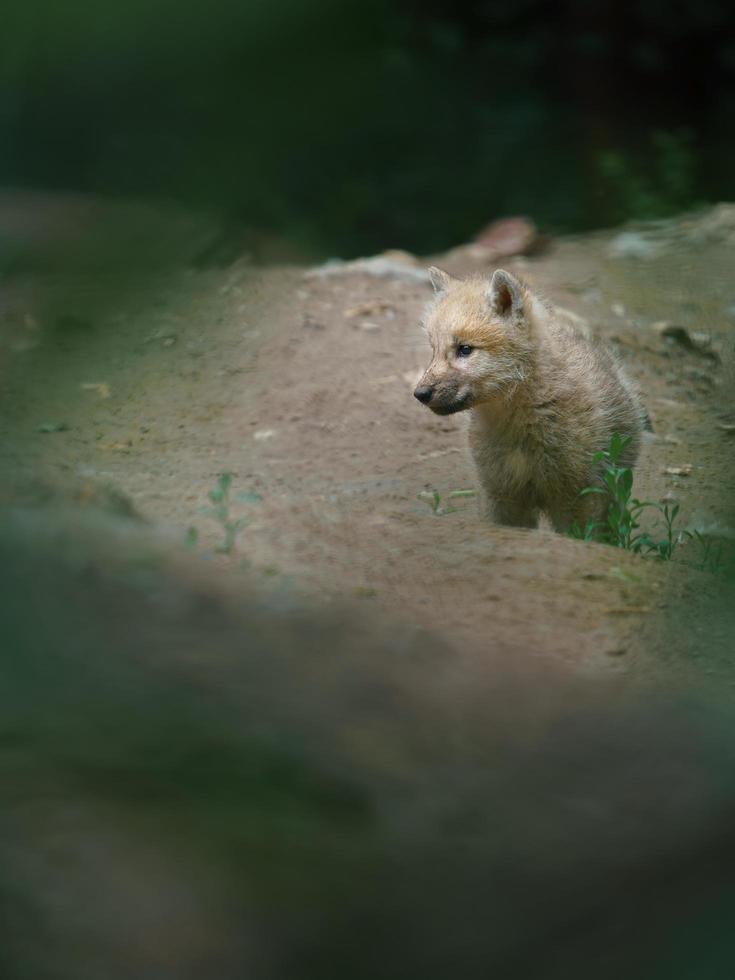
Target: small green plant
x=434, y=500
x=621, y=527
x=665, y=548
x=716, y=556
x=231, y=527
x=220, y=511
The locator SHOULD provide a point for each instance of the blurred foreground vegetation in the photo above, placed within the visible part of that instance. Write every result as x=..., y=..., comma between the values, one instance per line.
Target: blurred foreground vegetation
x=193, y=787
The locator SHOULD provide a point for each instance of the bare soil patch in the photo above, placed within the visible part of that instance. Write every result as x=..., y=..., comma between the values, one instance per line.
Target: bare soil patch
x=301, y=388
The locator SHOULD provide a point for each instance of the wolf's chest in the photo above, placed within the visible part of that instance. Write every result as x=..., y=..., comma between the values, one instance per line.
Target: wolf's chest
x=513, y=466
x=517, y=465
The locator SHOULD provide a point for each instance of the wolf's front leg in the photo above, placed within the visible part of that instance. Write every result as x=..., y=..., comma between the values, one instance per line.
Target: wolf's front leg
x=581, y=512
x=503, y=499
x=508, y=511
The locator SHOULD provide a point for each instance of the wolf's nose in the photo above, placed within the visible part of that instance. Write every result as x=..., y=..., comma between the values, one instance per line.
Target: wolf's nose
x=424, y=394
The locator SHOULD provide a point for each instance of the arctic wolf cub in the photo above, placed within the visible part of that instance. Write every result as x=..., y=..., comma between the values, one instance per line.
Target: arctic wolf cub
x=542, y=398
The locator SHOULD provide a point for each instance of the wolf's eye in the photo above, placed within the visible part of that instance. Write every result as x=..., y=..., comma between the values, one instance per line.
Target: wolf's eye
x=464, y=350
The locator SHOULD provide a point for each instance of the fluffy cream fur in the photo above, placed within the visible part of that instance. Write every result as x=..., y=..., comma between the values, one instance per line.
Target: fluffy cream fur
x=542, y=397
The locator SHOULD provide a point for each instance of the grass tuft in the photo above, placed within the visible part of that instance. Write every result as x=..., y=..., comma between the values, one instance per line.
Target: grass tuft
x=434, y=499
x=621, y=529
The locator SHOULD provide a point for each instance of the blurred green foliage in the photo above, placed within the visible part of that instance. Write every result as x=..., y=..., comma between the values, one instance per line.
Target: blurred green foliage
x=197, y=786
x=349, y=128
x=661, y=184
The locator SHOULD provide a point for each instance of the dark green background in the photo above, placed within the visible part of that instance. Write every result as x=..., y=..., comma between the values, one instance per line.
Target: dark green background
x=350, y=127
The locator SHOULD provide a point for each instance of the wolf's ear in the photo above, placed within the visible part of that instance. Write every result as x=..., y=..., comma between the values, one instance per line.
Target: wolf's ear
x=504, y=294
x=439, y=279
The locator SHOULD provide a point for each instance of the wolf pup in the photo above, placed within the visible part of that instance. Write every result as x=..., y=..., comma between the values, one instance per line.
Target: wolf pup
x=542, y=398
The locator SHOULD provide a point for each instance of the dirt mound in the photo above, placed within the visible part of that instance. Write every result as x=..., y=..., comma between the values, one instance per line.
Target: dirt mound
x=198, y=783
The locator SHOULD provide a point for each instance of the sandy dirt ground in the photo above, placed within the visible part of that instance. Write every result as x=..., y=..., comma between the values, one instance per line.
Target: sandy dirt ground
x=300, y=386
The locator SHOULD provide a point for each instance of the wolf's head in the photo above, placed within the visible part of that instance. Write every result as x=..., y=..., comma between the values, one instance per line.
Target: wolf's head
x=479, y=331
